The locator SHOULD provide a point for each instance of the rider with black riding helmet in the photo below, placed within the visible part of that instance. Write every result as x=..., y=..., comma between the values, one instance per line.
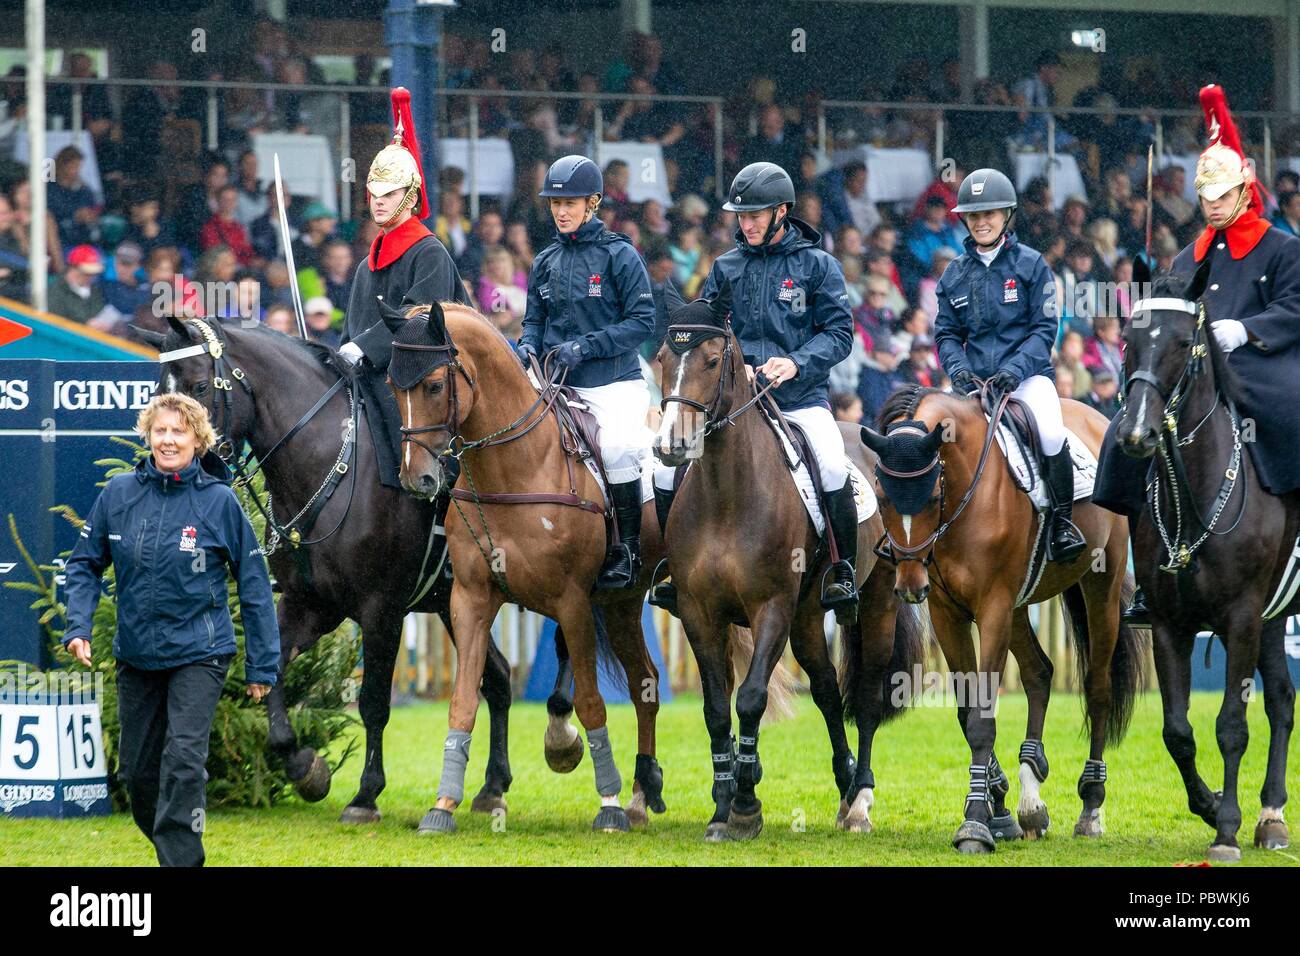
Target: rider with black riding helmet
x=790, y=313
x=997, y=321
x=589, y=300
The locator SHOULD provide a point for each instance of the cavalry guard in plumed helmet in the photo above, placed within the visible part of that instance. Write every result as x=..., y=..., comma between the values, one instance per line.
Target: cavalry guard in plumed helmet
x=1252, y=300
x=590, y=301
x=407, y=266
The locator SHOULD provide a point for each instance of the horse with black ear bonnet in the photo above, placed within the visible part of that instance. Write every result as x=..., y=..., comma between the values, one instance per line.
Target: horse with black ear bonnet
x=954, y=518
x=529, y=528
x=341, y=544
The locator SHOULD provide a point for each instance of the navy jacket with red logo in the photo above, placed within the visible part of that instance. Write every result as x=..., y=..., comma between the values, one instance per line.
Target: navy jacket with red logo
x=787, y=301
x=591, y=286
x=170, y=538
x=1000, y=316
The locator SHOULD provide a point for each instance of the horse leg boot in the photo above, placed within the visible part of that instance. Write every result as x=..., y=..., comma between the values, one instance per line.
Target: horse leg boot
x=1064, y=541
x=839, y=586
x=623, y=566
x=663, y=594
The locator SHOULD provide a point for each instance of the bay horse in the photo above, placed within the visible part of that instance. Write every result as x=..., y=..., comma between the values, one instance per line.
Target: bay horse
x=742, y=550
x=367, y=555
x=1210, y=549
x=528, y=528
x=937, y=448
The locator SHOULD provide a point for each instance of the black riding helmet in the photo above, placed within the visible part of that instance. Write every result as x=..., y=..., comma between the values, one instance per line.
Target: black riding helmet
x=760, y=186
x=573, y=176
x=987, y=189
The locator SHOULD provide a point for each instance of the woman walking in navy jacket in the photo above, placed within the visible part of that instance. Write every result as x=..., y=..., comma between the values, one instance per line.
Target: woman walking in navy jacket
x=171, y=528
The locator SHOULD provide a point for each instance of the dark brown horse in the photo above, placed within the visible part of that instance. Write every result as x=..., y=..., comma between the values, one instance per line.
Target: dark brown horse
x=1210, y=550
x=527, y=527
x=952, y=507
x=743, y=551
x=366, y=554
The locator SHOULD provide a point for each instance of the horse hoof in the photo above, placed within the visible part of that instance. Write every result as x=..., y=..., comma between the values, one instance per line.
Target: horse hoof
x=565, y=757
x=1034, y=822
x=315, y=786
x=636, y=810
x=485, y=801
x=1221, y=853
x=1004, y=827
x=715, y=833
x=362, y=815
x=1272, y=835
x=856, y=818
x=1089, y=824
x=974, y=837
x=437, y=820
x=611, y=820
x=744, y=826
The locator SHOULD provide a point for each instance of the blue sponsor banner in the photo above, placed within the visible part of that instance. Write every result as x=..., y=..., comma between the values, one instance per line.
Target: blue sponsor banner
x=56, y=419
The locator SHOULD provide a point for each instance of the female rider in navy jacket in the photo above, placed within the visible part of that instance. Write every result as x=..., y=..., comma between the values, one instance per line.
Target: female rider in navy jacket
x=997, y=321
x=589, y=298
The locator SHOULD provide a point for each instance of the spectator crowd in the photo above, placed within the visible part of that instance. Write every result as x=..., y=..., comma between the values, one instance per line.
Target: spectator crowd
x=215, y=244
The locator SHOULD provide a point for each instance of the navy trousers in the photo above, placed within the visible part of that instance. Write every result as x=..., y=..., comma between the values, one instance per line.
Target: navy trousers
x=166, y=717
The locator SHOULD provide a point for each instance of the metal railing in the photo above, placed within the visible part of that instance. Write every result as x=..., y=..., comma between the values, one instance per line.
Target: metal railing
x=473, y=100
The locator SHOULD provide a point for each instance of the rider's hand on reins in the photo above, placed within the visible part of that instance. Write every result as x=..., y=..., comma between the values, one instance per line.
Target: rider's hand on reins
x=779, y=369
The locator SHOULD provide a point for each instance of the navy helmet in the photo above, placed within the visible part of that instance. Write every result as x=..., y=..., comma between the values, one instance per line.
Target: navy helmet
x=573, y=176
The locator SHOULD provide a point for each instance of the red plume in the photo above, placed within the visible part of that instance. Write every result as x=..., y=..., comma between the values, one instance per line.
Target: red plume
x=1222, y=129
x=404, y=133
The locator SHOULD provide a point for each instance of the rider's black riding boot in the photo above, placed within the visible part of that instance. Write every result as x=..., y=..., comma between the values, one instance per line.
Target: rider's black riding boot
x=663, y=594
x=1136, y=614
x=623, y=563
x=1064, y=540
x=839, y=586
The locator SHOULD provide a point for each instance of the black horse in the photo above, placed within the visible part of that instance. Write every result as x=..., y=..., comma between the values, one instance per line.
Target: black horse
x=349, y=547
x=1210, y=549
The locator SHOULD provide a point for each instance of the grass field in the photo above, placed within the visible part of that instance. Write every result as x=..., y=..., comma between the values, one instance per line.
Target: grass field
x=920, y=766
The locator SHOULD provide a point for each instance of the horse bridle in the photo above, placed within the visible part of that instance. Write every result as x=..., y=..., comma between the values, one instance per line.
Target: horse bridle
x=214, y=345
x=726, y=379
x=452, y=425
x=888, y=548
x=1170, y=448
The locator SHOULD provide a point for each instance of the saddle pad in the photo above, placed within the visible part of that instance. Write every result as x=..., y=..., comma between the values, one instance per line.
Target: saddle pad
x=863, y=493
x=1025, y=471
x=1287, y=587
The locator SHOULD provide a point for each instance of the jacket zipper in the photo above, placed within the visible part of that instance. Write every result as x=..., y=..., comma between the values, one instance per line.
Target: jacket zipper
x=157, y=551
x=207, y=619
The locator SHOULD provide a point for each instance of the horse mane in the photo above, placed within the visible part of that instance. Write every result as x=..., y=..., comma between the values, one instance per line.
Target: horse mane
x=903, y=402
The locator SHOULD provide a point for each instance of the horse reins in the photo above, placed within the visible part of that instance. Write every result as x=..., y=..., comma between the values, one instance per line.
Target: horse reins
x=1170, y=459
x=214, y=345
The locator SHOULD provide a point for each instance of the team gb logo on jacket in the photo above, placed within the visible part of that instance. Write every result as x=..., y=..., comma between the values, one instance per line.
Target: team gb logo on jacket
x=189, y=535
x=1009, y=293
x=787, y=292
x=593, y=285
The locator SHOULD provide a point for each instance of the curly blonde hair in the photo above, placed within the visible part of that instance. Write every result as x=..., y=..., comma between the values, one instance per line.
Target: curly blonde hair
x=194, y=415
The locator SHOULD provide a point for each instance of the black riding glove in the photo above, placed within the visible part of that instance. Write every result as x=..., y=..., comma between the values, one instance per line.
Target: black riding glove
x=963, y=381
x=1004, y=383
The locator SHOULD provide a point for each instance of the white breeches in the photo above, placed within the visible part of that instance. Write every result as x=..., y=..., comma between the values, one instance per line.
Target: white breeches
x=1039, y=393
x=620, y=408
x=827, y=444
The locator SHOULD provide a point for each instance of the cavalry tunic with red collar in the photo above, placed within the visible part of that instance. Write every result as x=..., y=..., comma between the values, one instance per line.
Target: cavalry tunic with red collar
x=1254, y=278
x=407, y=266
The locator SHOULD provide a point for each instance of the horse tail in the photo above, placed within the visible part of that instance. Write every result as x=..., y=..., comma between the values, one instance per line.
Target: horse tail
x=1125, y=661
x=781, y=688
x=908, y=651
x=608, y=665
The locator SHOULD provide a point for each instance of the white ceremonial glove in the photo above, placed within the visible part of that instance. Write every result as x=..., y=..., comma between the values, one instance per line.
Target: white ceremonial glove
x=352, y=352
x=1229, y=333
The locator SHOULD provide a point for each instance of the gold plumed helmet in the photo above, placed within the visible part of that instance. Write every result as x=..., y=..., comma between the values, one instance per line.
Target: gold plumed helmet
x=397, y=165
x=1223, y=164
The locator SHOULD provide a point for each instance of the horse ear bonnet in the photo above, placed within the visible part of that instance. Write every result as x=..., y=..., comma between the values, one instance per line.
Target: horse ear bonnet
x=420, y=347
x=910, y=450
